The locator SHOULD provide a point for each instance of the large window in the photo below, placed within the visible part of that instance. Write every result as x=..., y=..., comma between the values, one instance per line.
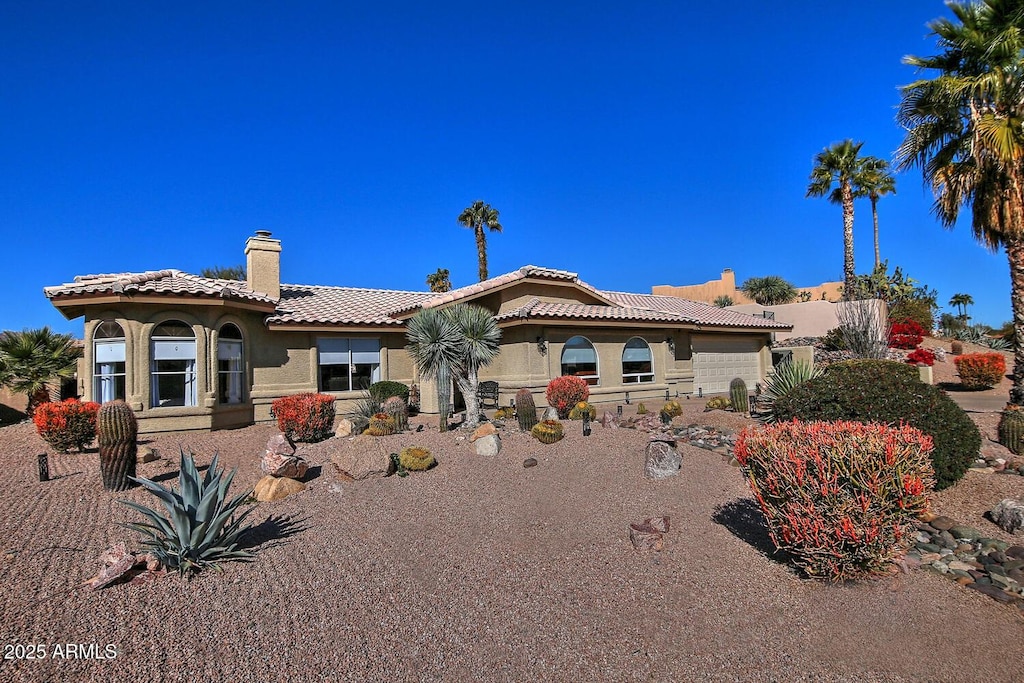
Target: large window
x=108, y=362
x=173, y=367
x=229, y=365
x=580, y=359
x=348, y=364
x=636, y=362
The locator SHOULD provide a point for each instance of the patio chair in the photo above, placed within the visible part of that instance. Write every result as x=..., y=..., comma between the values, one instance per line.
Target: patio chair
x=487, y=394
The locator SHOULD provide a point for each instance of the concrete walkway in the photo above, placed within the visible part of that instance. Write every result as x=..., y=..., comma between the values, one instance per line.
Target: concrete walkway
x=979, y=402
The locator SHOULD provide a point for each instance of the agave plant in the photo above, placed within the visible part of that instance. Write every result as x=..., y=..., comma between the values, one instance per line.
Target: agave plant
x=787, y=375
x=201, y=528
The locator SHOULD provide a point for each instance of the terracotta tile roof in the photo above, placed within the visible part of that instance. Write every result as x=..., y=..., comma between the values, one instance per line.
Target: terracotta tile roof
x=172, y=282
x=538, y=309
x=695, y=311
x=312, y=305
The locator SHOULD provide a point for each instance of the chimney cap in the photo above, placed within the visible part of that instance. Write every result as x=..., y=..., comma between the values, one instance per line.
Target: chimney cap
x=263, y=233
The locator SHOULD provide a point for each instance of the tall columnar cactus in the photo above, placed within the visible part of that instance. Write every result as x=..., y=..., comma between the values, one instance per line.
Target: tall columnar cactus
x=738, y=395
x=397, y=409
x=526, y=410
x=116, y=430
x=1011, y=429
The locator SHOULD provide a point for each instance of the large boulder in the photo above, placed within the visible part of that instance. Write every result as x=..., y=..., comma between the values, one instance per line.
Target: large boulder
x=488, y=445
x=1009, y=515
x=281, y=460
x=361, y=458
x=271, y=488
x=661, y=459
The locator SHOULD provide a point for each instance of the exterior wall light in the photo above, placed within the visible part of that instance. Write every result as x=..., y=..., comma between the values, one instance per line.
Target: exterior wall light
x=542, y=344
x=671, y=344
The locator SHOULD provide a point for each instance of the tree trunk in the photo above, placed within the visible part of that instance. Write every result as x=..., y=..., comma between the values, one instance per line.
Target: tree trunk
x=481, y=251
x=468, y=386
x=444, y=397
x=1015, y=254
x=848, y=267
x=874, y=218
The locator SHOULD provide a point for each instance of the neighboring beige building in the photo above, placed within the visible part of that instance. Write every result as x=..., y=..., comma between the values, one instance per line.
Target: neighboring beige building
x=188, y=352
x=726, y=286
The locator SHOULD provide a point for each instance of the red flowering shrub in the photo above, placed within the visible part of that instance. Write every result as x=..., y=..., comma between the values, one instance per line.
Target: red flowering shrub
x=905, y=334
x=68, y=424
x=840, y=497
x=980, y=370
x=921, y=357
x=565, y=392
x=304, y=417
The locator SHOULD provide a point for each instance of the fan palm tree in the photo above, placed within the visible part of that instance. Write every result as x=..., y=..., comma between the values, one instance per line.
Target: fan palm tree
x=439, y=281
x=453, y=344
x=31, y=359
x=964, y=133
x=961, y=302
x=839, y=165
x=476, y=217
x=770, y=290
x=874, y=181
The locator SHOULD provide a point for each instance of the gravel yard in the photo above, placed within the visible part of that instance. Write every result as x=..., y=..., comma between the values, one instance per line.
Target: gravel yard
x=479, y=569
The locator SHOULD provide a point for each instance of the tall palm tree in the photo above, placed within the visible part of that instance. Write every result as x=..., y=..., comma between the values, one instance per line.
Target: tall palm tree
x=964, y=133
x=839, y=165
x=439, y=281
x=476, y=217
x=961, y=302
x=453, y=344
x=874, y=181
x=31, y=359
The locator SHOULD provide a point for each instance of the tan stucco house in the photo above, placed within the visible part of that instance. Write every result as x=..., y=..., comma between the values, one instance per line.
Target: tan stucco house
x=188, y=352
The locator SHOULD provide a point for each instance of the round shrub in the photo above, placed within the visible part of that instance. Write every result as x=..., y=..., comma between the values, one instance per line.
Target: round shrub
x=566, y=391
x=382, y=391
x=980, y=370
x=905, y=334
x=67, y=424
x=886, y=391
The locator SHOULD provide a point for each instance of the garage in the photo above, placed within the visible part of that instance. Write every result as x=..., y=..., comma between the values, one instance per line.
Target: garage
x=717, y=359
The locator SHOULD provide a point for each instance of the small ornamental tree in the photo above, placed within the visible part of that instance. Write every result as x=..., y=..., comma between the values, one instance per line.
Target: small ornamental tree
x=839, y=497
x=67, y=424
x=565, y=392
x=905, y=334
x=980, y=370
x=304, y=417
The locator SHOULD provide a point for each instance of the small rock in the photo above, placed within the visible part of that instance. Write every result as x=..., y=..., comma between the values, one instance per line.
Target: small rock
x=942, y=523
x=662, y=460
x=550, y=413
x=645, y=537
x=1009, y=515
x=992, y=591
x=960, y=531
x=281, y=445
x=486, y=429
x=489, y=445
x=146, y=454
x=610, y=420
x=530, y=462
x=962, y=566
x=964, y=580
x=276, y=488
x=1015, y=551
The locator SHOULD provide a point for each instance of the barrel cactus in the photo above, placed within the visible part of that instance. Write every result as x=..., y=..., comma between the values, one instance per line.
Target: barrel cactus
x=738, y=395
x=506, y=413
x=116, y=430
x=956, y=348
x=381, y=424
x=673, y=408
x=416, y=458
x=582, y=408
x=399, y=412
x=526, y=410
x=1011, y=429
x=548, y=431
x=641, y=409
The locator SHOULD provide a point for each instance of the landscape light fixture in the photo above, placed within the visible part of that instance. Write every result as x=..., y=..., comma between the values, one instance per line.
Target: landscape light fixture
x=627, y=398
x=671, y=344
x=542, y=344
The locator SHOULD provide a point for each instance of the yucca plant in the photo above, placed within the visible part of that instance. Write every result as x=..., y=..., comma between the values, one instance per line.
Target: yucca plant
x=787, y=375
x=202, y=527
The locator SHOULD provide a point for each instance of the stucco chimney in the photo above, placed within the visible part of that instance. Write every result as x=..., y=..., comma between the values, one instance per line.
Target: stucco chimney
x=263, y=264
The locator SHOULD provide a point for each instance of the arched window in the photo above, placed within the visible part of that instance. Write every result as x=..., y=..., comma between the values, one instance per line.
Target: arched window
x=636, y=362
x=108, y=362
x=173, y=365
x=580, y=359
x=229, y=365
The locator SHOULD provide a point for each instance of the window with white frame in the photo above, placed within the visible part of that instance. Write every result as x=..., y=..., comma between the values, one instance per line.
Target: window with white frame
x=348, y=364
x=636, y=362
x=108, y=377
x=580, y=360
x=230, y=371
x=173, y=365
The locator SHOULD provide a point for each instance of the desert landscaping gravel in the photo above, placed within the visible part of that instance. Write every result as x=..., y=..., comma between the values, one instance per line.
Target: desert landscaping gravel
x=479, y=569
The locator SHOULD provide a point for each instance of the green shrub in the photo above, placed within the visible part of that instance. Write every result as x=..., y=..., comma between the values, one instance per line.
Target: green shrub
x=786, y=376
x=918, y=310
x=382, y=391
x=834, y=340
x=889, y=392
x=840, y=497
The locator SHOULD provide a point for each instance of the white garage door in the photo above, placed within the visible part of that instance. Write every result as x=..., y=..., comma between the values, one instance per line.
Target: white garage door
x=717, y=359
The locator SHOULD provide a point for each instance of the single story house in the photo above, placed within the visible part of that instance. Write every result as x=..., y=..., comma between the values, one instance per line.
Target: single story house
x=188, y=352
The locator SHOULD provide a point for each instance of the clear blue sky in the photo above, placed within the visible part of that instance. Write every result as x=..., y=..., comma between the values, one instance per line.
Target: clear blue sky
x=637, y=143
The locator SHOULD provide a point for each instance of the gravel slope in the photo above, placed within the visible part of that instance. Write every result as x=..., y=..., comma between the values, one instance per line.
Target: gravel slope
x=478, y=570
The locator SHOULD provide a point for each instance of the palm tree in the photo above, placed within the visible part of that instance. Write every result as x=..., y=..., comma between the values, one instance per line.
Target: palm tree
x=453, y=344
x=961, y=302
x=964, y=132
x=839, y=165
x=874, y=181
x=439, y=282
x=477, y=216
x=224, y=272
x=770, y=290
x=30, y=359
